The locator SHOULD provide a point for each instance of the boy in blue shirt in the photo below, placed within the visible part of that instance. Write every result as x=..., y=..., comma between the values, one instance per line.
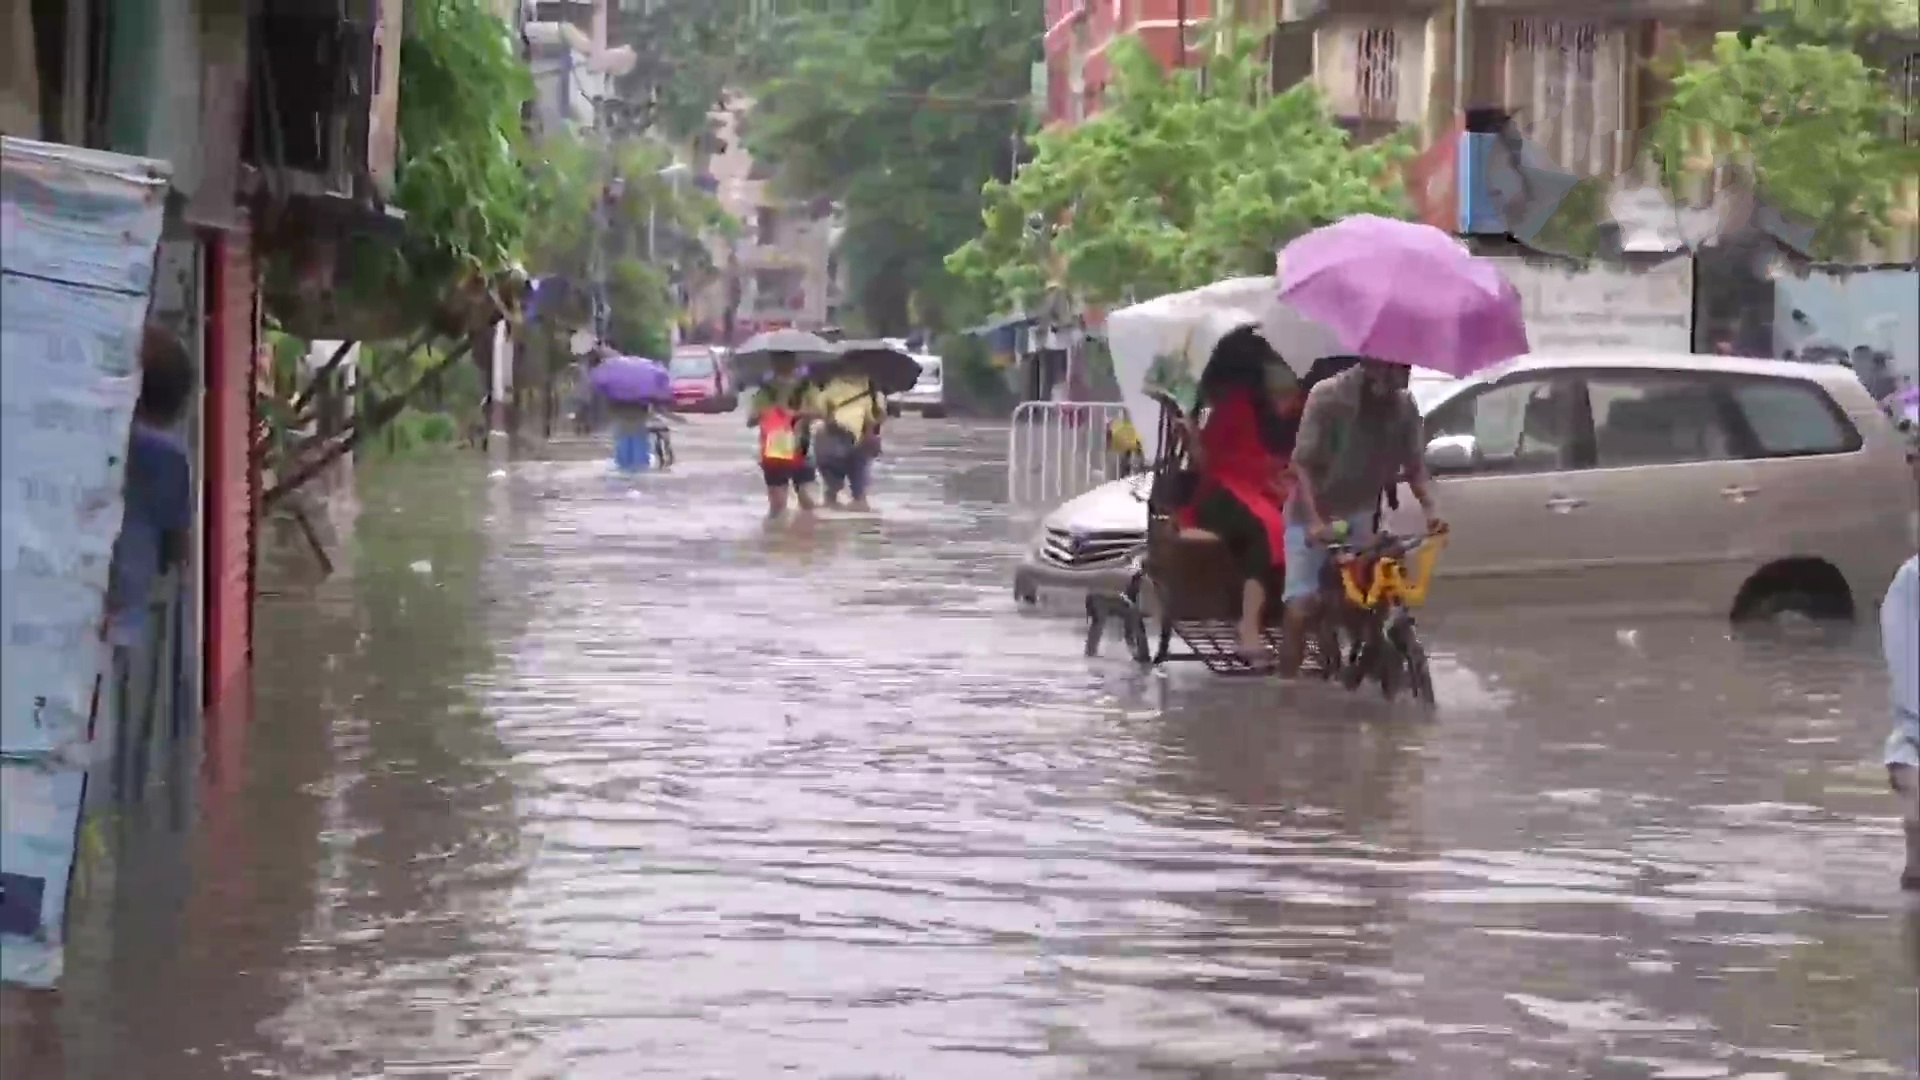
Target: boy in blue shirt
x=159, y=488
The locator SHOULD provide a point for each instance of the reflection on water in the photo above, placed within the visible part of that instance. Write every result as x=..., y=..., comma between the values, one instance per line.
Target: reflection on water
x=584, y=778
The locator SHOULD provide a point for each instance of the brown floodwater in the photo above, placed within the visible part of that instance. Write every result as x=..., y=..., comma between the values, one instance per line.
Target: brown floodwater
x=570, y=777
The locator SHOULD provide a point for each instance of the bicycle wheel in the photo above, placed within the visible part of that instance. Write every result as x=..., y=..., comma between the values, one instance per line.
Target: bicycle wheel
x=1388, y=669
x=1413, y=658
x=1419, y=672
x=1361, y=657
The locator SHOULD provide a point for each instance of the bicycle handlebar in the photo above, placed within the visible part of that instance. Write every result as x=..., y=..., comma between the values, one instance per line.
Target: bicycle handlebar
x=1390, y=579
x=1381, y=543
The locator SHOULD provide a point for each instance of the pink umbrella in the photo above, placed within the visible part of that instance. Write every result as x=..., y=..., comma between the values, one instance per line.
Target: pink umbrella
x=1405, y=292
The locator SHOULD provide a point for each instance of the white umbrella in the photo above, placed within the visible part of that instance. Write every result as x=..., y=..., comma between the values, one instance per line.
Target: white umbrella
x=752, y=360
x=1163, y=344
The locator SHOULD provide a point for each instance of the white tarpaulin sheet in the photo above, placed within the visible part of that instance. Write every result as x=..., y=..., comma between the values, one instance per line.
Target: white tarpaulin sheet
x=1163, y=344
x=78, y=231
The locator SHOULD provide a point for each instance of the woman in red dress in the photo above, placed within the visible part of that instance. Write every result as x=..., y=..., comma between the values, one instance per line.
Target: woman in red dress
x=1242, y=452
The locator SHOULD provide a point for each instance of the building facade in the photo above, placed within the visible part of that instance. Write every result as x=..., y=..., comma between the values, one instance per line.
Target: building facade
x=310, y=150
x=780, y=270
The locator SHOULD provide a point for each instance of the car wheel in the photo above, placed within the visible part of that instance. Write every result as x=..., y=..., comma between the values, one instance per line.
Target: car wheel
x=1792, y=610
x=893, y=410
x=1025, y=593
x=1794, y=593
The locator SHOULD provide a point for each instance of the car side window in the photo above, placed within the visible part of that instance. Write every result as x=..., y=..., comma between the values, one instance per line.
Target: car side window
x=1793, y=419
x=1642, y=420
x=1517, y=427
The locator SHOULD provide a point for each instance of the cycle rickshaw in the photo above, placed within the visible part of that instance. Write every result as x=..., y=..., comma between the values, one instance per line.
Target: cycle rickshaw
x=1182, y=602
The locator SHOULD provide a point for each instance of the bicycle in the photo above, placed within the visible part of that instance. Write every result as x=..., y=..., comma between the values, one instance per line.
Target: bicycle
x=662, y=447
x=1375, y=578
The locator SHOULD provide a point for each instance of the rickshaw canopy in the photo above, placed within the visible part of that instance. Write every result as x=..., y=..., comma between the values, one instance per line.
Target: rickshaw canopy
x=1163, y=344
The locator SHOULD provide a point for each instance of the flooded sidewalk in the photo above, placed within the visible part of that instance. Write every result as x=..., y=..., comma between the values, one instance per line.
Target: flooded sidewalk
x=576, y=777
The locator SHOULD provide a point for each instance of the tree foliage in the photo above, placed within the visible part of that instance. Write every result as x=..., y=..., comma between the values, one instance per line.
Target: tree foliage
x=688, y=53
x=1179, y=181
x=902, y=112
x=568, y=178
x=460, y=179
x=1806, y=102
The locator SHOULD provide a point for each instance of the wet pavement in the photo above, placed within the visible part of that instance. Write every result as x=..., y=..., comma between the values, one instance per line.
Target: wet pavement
x=582, y=778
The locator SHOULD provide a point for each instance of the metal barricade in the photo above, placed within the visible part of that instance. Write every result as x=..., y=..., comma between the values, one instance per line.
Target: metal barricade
x=1058, y=449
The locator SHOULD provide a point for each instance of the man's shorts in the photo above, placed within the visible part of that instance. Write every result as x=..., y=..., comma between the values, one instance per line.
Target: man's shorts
x=798, y=475
x=1307, y=561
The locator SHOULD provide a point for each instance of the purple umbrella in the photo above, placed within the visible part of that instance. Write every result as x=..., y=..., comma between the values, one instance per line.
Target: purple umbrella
x=1404, y=292
x=631, y=380
x=1904, y=404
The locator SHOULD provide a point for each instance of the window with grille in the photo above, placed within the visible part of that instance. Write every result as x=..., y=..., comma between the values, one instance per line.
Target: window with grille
x=1376, y=72
x=1566, y=84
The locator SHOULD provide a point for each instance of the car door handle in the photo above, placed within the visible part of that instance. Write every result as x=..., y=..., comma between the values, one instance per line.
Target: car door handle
x=1561, y=504
x=1736, y=493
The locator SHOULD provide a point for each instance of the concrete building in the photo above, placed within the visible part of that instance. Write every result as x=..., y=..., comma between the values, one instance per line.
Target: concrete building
x=780, y=271
x=574, y=66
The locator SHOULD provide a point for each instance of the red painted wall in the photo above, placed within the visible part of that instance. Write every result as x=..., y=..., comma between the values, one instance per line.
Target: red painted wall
x=1156, y=22
x=231, y=481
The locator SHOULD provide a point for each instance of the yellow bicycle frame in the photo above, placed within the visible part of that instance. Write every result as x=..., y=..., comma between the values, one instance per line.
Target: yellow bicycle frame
x=1390, y=580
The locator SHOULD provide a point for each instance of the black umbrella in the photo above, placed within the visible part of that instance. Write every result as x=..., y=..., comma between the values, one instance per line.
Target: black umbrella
x=889, y=369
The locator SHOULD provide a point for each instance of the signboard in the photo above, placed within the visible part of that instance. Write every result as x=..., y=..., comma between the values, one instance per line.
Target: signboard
x=1605, y=307
x=78, y=232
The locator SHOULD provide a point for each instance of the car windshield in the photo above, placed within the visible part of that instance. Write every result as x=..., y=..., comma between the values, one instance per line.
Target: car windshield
x=930, y=371
x=691, y=366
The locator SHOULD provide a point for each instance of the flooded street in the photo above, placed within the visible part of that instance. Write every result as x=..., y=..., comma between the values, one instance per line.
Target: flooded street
x=582, y=778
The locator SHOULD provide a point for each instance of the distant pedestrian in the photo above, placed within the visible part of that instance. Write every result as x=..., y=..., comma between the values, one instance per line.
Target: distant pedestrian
x=1900, y=634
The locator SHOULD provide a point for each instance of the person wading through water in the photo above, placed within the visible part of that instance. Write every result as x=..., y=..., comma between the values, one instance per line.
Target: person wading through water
x=1360, y=433
x=781, y=410
x=849, y=437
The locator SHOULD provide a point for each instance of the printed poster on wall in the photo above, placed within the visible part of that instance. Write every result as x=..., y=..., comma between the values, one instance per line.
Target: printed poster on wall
x=78, y=233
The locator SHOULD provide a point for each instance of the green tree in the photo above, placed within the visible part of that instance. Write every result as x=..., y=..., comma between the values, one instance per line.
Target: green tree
x=569, y=178
x=902, y=113
x=687, y=54
x=1804, y=97
x=1179, y=181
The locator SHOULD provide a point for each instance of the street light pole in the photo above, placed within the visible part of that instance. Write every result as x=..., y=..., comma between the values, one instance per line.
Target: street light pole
x=672, y=174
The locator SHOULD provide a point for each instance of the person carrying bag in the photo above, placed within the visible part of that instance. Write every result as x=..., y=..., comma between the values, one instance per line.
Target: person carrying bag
x=849, y=439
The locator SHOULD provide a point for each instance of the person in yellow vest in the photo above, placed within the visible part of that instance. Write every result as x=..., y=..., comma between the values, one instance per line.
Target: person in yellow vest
x=782, y=410
x=851, y=415
x=1123, y=442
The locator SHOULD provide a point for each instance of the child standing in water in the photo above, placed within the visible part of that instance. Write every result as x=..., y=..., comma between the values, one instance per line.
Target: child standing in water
x=781, y=409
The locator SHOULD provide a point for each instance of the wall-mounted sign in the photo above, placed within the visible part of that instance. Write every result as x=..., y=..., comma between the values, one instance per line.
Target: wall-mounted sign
x=78, y=232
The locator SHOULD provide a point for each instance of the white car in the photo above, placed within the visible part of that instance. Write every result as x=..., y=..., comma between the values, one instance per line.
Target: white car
x=928, y=396
x=1646, y=484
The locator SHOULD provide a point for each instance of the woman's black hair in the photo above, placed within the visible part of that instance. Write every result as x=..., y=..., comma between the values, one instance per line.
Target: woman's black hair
x=166, y=376
x=1240, y=360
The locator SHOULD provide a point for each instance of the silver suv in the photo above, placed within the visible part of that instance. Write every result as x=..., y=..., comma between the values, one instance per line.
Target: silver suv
x=1618, y=483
